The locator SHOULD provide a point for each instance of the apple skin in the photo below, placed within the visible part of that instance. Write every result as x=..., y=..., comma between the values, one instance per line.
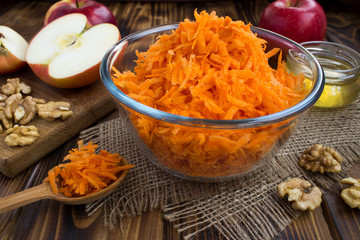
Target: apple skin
x=82, y=79
x=95, y=12
x=304, y=22
x=9, y=62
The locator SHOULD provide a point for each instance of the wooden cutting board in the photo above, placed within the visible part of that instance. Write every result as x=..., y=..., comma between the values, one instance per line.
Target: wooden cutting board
x=89, y=104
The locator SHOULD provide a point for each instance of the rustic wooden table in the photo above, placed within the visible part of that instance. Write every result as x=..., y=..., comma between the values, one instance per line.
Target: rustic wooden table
x=51, y=220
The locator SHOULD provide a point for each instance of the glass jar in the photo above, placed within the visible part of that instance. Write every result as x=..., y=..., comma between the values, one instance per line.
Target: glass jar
x=341, y=66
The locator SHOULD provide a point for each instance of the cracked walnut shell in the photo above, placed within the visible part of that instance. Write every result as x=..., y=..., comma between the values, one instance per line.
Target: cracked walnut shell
x=21, y=135
x=321, y=159
x=351, y=194
x=299, y=192
x=53, y=110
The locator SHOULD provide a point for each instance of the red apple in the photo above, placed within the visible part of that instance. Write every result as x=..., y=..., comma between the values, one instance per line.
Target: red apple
x=299, y=20
x=67, y=53
x=95, y=12
x=12, y=50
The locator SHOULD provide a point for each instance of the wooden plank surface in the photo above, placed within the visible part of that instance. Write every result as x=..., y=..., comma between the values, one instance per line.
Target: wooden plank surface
x=88, y=104
x=51, y=220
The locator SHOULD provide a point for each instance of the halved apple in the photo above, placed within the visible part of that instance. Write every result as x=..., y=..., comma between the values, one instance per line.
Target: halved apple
x=12, y=50
x=67, y=53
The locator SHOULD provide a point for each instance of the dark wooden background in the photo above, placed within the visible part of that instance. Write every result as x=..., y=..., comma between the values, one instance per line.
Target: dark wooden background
x=51, y=220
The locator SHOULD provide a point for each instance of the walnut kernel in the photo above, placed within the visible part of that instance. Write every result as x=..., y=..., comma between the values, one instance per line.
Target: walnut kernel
x=12, y=103
x=296, y=190
x=39, y=100
x=53, y=110
x=21, y=110
x=13, y=108
x=29, y=107
x=351, y=194
x=6, y=123
x=3, y=98
x=321, y=159
x=13, y=86
x=21, y=135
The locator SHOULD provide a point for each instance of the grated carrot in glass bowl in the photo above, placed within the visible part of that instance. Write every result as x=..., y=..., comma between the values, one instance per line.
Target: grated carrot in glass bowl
x=203, y=100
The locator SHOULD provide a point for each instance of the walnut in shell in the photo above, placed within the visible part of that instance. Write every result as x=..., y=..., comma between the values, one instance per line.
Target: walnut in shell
x=53, y=110
x=351, y=194
x=13, y=86
x=21, y=135
x=321, y=159
x=300, y=193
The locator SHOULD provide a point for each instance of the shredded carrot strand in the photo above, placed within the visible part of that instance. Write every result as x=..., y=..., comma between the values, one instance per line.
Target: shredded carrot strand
x=212, y=68
x=87, y=172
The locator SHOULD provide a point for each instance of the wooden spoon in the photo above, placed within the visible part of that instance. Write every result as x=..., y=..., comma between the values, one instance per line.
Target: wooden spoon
x=43, y=191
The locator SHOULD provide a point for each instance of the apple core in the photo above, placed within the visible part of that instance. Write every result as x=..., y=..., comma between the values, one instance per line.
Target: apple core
x=2, y=48
x=71, y=40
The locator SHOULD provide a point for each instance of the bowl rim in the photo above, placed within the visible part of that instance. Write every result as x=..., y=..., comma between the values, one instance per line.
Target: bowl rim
x=339, y=51
x=280, y=116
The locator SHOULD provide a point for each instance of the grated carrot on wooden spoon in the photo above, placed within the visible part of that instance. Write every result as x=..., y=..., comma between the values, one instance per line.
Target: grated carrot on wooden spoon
x=86, y=172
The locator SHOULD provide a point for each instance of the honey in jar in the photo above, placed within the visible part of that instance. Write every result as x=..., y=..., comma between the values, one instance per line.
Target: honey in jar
x=341, y=66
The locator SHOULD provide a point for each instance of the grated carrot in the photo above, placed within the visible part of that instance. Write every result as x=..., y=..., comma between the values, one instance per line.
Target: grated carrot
x=212, y=68
x=87, y=172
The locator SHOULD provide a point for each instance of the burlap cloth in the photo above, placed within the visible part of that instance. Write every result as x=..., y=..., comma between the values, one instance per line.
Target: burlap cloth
x=247, y=208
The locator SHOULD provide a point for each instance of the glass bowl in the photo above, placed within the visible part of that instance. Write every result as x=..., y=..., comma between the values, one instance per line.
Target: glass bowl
x=195, y=159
